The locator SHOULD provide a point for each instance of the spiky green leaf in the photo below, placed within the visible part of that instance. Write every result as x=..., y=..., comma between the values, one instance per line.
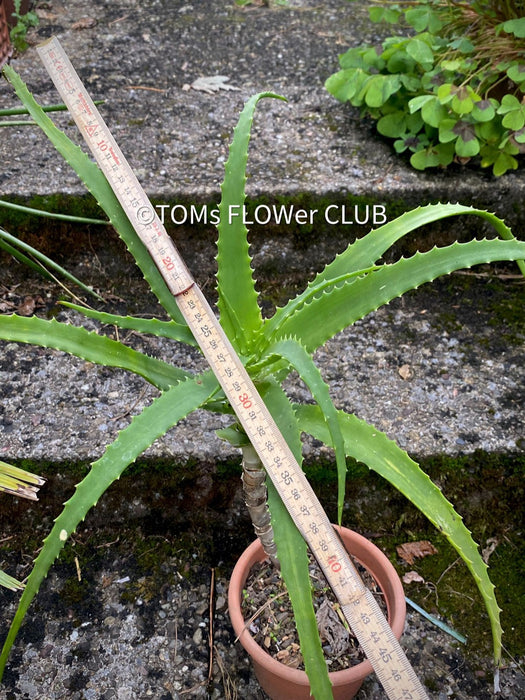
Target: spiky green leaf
x=95, y=181
x=237, y=298
x=343, y=304
x=89, y=346
x=292, y=552
x=371, y=447
x=154, y=421
x=296, y=355
x=153, y=326
x=361, y=255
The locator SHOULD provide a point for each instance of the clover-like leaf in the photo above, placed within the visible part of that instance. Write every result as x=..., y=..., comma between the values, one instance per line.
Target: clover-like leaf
x=380, y=88
x=422, y=18
x=515, y=26
x=504, y=162
x=516, y=72
x=421, y=52
x=446, y=130
x=384, y=14
x=513, y=111
x=463, y=99
x=483, y=111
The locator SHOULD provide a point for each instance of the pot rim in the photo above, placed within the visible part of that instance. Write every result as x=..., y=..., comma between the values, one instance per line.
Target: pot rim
x=395, y=601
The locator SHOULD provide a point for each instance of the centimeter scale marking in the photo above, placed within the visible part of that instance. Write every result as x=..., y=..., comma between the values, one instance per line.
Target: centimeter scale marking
x=357, y=602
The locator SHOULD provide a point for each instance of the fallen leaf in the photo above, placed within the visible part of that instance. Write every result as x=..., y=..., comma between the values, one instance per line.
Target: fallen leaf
x=290, y=657
x=84, y=23
x=406, y=372
x=27, y=307
x=212, y=83
x=410, y=550
x=413, y=577
x=492, y=543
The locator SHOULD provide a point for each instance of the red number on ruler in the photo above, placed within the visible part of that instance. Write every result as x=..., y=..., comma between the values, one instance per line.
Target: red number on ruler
x=334, y=564
x=245, y=401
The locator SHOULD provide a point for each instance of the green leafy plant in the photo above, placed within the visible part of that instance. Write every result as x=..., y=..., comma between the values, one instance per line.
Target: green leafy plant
x=349, y=288
x=453, y=90
x=24, y=22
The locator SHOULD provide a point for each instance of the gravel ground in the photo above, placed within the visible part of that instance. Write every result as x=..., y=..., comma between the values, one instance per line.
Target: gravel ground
x=160, y=648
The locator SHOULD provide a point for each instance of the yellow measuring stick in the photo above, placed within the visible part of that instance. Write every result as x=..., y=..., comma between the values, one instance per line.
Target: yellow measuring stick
x=357, y=602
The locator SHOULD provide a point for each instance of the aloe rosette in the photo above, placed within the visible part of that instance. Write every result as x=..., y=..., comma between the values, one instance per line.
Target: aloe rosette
x=352, y=286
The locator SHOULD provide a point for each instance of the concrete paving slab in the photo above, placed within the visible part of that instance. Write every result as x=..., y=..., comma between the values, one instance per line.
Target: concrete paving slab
x=142, y=56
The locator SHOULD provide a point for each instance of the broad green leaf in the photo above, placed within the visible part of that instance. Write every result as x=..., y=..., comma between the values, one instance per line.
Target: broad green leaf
x=344, y=84
x=433, y=112
x=380, y=88
x=446, y=130
x=421, y=52
x=425, y=158
x=483, y=111
x=399, y=61
x=384, y=14
x=416, y=103
x=336, y=308
x=153, y=326
x=371, y=447
x=452, y=65
x=89, y=346
x=292, y=553
x=514, y=120
x=392, y=124
x=515, y=26
x=490, y=132
x=292, y=351
x=422, y=18
x=353, y=58
x=467, y=148
x=462, y=44
x=99, y=187
x=235, y=283
x=445, y=93
x=516, y=73
x=508, y=104
x=154, y=421
x=504, y=162
x=464, y=100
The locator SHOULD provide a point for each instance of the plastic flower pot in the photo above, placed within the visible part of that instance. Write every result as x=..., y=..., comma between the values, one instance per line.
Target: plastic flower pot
x=281, y=682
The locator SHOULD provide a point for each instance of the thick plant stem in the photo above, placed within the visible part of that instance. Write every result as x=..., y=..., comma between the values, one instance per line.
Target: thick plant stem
x=256, y=499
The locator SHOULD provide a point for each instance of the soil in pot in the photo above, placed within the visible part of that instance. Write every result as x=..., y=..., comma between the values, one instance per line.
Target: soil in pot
x=286, y=682
x=268, y=611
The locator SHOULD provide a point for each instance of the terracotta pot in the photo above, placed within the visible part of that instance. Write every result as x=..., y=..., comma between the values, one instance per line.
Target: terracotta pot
x=9, y=6
x=5, y=44
x=281, y=682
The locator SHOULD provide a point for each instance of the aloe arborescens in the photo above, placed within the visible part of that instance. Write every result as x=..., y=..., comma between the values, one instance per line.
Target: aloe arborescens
x=349, y=288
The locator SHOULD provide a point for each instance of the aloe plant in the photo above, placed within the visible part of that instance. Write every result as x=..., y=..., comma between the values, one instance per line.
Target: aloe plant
x=350, y=287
